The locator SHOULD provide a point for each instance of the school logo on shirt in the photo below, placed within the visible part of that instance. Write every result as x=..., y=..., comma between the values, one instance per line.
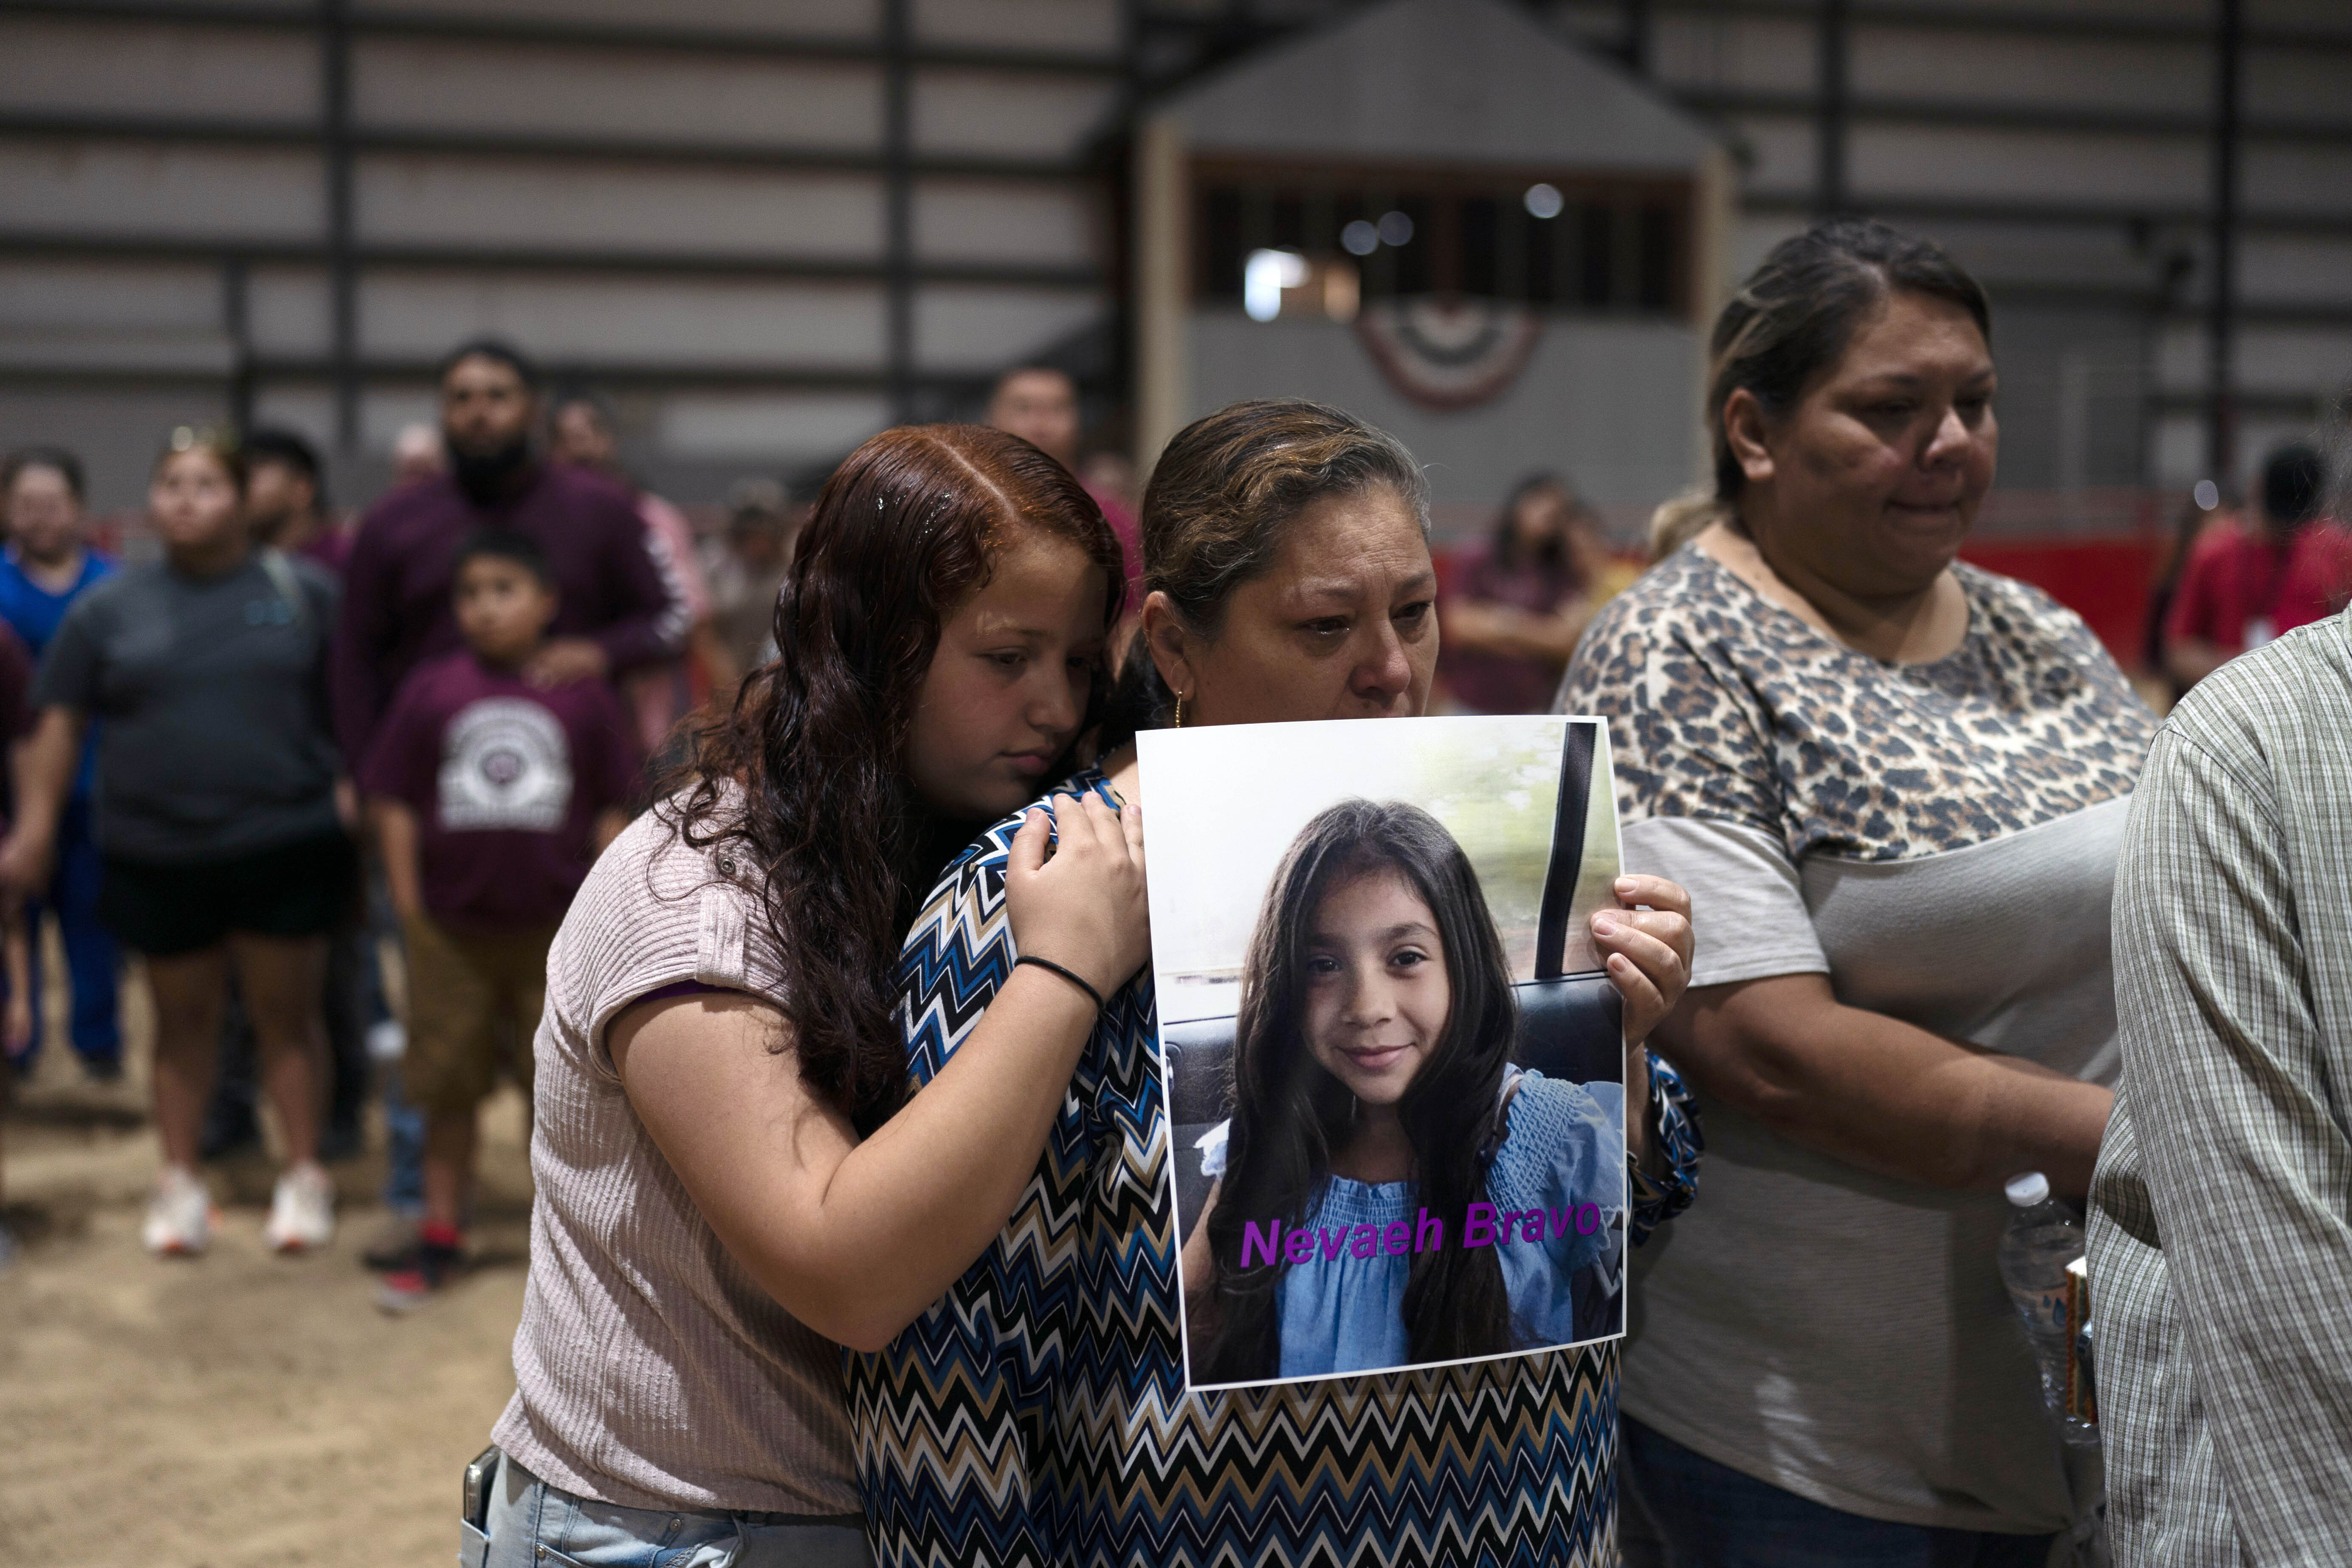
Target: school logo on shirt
x=505, y=764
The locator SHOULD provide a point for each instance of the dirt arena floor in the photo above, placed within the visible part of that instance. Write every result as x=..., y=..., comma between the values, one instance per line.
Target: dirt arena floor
x=238, y=1410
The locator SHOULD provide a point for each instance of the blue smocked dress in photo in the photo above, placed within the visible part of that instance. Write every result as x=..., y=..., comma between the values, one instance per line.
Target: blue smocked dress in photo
x=1037, y=1414
x=1563, y=1158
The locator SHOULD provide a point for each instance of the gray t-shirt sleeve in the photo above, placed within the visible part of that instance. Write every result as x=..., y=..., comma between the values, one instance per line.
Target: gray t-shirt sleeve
x=1749, y=918
x=69, y=665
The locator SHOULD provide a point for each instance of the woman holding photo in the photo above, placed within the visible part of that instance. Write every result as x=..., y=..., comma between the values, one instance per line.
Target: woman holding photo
x=1373, y=1091
x=1039, y=1411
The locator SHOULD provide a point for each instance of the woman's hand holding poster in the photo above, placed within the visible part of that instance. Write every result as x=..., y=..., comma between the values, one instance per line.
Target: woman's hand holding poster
x=1392, y=1060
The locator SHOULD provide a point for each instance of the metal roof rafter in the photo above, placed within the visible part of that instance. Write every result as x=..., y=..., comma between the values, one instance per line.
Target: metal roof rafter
x=373, y=22
x=2013, y=117
x=382, y=256
x=306, y=134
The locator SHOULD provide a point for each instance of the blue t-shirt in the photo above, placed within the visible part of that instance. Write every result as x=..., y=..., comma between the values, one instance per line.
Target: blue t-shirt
x=33, y=613
x=1559, y=1173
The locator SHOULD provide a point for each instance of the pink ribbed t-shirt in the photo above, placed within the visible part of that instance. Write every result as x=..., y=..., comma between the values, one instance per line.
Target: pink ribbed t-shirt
x=651, y=1371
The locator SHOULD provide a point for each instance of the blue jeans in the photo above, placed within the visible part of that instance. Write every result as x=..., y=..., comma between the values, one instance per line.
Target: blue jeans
x=91, y=957
x=534, y=1525
x=1679, y=1509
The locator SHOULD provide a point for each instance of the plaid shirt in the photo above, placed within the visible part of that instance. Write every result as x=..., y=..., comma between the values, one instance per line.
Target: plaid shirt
x=2221, y=1214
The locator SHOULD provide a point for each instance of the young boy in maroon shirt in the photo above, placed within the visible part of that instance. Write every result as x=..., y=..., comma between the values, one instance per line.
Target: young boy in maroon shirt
x=490, y=799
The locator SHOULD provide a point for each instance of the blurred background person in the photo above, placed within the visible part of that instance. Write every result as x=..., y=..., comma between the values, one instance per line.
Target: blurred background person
x=1896, y=786
x=45, y=566
x=2248, y=580
x=2319, y=576
x=616, y=609
x=218, y=806
x=286, y=499
x=18, y=1022
x=417, y=454
x=490, y=799
x=660, y=695
x=1514, y=607
x=745, y=572
x=2189, y=526
x=285, y=507
x=1109, y=474
x=1040, y=404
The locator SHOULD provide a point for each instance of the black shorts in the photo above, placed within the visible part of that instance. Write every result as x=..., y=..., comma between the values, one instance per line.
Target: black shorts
x=296, y=889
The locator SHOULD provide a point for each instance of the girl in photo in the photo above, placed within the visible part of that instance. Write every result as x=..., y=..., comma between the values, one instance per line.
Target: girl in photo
x=1372, y=1088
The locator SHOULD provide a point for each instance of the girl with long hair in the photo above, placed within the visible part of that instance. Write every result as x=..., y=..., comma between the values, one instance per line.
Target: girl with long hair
x=731, y=1180
x=1372, y=1087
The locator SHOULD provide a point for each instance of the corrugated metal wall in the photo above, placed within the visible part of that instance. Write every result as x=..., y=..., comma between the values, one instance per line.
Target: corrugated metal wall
x=298, y=208
x=206, y=205
x=2063, y=149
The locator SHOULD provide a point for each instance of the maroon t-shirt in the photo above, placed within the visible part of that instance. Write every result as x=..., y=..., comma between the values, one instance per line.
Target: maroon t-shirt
x=396, y=611
x=507, y=783
x=331, y=547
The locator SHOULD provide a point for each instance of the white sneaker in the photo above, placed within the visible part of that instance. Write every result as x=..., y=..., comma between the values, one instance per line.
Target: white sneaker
x=180, y=1216
x=301, y=1211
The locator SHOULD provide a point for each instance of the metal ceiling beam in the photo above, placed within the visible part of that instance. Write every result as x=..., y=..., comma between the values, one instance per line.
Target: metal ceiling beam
x=899, y=205
x=1832, y=105
x=305, y=134
x=366, y=22
x=2050, y=21
x=2256, y=401
x=401, y=370
x=338, y=156
x=28, y=243
x=2221, y=323
x=2072, y=213
x=2014, y=117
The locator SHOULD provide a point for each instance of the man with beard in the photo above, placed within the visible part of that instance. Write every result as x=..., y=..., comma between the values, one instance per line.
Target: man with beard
x=618, y=610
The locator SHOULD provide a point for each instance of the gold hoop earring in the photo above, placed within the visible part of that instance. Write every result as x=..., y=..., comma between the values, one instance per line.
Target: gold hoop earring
x=1179, y=711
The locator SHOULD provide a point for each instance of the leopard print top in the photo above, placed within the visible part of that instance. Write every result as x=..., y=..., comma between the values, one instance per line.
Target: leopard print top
x=1722, y=704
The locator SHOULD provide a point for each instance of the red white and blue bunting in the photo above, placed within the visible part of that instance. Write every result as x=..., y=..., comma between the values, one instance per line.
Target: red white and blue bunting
x=1449, y=354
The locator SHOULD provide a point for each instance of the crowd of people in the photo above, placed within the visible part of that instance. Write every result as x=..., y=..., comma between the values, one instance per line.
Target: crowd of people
x=799, y=877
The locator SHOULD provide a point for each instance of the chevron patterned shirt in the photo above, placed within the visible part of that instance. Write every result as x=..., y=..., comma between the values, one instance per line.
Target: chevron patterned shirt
x=1036, y=1414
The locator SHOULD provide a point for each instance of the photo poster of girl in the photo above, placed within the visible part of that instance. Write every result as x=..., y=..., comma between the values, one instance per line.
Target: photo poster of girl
x=1393, y=1061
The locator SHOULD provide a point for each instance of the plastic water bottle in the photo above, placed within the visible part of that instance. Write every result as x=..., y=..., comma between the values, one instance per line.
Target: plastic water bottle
x=2043, y=1237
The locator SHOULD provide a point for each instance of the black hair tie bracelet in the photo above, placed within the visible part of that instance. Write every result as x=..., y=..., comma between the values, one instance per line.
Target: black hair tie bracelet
x=1071, y=975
